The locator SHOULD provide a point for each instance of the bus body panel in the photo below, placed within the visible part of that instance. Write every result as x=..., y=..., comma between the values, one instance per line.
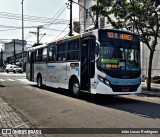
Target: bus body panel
x=40, y=69
x=58, y=74
x=90, y=74
x=72, y=69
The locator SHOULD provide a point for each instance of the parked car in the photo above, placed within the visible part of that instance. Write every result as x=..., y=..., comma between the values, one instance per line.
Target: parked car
x=156, y=79
x=13, y=68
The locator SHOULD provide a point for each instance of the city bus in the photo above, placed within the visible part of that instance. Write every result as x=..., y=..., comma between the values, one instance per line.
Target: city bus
x=103, y=61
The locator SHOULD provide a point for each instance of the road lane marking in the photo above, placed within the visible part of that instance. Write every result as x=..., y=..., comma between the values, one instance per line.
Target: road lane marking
x=10, y=79
x=2, y=80
x=22, y=79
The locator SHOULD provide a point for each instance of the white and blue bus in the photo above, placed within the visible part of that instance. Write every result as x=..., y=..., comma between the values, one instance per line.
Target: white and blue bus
x=104, y=61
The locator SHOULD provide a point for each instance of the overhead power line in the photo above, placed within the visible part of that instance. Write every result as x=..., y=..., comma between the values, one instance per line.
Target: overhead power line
x=61, y=32
x=55, y=18
x=16, y=27
x=26, y=17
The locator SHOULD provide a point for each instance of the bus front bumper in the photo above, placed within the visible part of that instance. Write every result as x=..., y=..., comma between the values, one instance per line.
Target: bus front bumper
x=101, y=88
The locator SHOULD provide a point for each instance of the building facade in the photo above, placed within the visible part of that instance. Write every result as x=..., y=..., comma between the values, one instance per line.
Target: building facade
x=11, y=49
x=88, y=19
x=85, y=14
x=145, y=59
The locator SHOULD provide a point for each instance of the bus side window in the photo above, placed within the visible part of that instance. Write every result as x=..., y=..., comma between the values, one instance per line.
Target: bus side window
x=39, y=55
x=44, y=55
x=61, y=50
x=72, y=50
x=36, y=56
x=52, y=54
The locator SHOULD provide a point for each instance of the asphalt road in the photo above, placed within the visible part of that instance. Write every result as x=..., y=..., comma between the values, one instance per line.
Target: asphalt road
x=57, y=108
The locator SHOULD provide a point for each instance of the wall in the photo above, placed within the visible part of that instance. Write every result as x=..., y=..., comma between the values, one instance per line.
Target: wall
x=145, y=59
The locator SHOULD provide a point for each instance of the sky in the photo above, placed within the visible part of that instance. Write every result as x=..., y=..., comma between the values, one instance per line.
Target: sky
x=53, y=15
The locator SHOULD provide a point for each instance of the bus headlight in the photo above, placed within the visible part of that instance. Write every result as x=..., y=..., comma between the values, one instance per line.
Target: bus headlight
x=100, y=78
x=104, y=80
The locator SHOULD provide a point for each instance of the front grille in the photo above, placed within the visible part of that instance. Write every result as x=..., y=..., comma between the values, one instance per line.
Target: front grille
x=124, y=75
x=124, y=88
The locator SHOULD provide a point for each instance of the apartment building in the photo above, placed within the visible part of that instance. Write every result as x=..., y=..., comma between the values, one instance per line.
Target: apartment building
x=12, y=48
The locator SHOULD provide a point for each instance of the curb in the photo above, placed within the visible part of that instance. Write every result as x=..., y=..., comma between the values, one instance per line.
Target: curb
x=150, y=94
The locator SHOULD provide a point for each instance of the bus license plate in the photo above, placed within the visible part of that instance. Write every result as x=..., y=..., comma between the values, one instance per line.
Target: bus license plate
x=125, y=89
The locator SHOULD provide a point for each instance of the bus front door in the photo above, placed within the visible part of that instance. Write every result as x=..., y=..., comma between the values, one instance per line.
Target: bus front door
x=87, y=63
x=32, y=66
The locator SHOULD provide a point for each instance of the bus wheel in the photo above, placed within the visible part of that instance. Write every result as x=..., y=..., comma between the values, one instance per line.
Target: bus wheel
x=75, y=88
x=39, y=81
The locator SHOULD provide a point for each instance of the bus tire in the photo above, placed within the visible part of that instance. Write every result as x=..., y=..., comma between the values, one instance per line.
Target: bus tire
x=39, y=81
x=75, y=88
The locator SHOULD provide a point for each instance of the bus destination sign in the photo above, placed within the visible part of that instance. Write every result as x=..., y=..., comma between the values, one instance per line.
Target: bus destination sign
x=119, y=36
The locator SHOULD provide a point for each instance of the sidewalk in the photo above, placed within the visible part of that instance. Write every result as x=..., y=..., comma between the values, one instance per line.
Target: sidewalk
x=155, y=90
x=10, y=119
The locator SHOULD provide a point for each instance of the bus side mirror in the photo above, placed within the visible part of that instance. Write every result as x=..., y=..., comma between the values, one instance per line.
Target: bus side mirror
x=97, y=50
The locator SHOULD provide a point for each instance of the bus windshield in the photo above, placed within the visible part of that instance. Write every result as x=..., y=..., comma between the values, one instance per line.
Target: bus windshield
x=119, y=56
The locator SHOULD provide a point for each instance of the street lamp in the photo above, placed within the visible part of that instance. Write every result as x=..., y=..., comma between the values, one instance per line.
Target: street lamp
x=22, y=38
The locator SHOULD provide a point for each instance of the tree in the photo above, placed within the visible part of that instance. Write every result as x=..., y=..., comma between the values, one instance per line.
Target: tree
x=142, y=15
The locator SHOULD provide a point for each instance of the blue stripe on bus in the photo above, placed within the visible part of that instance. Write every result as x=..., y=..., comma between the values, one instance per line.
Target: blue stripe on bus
x=77, y=69
x=117, y=81
x=51, y=67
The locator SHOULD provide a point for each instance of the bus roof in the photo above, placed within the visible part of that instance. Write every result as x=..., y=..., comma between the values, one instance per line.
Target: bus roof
x=37, y=47
x=89, y=33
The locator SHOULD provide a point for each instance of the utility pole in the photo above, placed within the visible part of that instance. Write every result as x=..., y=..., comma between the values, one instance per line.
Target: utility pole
x=14, y=44
x=39, y=27
x=22, y=39
x=70, y=25
x=37, y=33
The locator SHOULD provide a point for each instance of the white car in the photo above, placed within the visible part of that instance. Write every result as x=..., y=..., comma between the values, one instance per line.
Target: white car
x=14, y=69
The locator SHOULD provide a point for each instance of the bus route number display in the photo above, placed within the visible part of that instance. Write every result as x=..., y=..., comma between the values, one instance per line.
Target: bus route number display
x=119, y=36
